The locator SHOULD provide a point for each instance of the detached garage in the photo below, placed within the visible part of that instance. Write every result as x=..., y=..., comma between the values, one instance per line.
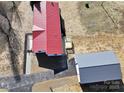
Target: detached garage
x=97, y=67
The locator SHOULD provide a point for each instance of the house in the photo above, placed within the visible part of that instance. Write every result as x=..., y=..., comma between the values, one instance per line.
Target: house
x=46, y=29
x=48, y=43
x=97, y=67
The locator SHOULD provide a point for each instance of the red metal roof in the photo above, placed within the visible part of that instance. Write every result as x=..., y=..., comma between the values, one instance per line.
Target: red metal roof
x=46, y=28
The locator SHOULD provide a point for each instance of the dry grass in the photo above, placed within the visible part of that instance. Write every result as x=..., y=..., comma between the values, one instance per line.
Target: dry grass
x=69, y=84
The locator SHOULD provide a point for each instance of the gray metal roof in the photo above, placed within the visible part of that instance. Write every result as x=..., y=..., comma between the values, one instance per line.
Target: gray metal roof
x=96, y=59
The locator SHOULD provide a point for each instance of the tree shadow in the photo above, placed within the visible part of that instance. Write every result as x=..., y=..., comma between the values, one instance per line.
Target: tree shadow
x=13, y=41
x=37, y=5
x=14, y=49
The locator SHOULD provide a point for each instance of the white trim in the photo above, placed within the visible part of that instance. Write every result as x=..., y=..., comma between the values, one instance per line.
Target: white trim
x=28, y=54
x=29, y=42
x=77, y=70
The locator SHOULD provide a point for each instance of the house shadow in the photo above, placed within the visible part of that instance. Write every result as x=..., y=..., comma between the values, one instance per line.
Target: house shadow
x=71, y=71
x=56, y=63
x=62, y=23
x=109, y=86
